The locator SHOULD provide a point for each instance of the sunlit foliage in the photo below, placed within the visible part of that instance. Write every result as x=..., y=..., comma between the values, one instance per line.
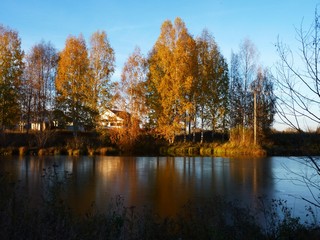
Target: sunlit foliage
x=213, y=83
x=251, y=96
x=102, y=58
x=11, y=69
x=73, y=83
x=132, y=99
x=172, y=76
x=184, y=85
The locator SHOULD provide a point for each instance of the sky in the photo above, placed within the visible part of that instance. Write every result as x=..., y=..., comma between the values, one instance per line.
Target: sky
x=129, y=24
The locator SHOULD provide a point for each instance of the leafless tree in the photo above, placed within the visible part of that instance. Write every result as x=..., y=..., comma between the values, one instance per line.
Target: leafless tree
x=38, y=86
x=297, y=78
x=298, y=97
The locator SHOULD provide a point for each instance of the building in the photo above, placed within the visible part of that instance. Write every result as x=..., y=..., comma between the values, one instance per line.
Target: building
x=114, y=119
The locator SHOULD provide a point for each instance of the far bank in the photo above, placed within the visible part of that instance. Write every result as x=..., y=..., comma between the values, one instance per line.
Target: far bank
x=95, y=143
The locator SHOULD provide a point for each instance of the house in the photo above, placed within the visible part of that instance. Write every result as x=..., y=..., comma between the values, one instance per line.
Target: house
x=35, y=125
x=109, y=119
x=114, y=118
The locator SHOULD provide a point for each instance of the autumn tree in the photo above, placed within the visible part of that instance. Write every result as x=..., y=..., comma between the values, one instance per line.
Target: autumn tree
x=74, y=84
x=264, y=101
x=236, y=105
x=133, y=80
x=11, y=70
x=247, y=59
x=102, y=64
x=132, y=94
x=172, y=67
x=39, y=84
x=242, y=74
x=251, y=96
x=212, y=84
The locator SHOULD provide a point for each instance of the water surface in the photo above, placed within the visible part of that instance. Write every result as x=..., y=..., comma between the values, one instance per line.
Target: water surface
x=164, y=183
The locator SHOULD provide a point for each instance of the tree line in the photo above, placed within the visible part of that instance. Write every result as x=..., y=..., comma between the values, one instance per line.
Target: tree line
x=182, y=86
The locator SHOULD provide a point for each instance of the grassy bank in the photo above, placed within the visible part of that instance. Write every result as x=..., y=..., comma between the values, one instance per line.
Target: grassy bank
x=64, y=143
x=51, y=151
x=216, y=218
x=212, y=149
x=276, y=144
x=93, y=143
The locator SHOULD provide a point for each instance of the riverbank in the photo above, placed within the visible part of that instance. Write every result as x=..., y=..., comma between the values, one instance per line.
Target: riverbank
x=92, y=143
x=64, y=143
x=287, y=148
x=276, y=144
x=212, y=149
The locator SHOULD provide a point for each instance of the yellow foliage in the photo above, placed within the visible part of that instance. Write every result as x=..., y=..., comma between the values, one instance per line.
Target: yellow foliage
x=173, y=73
x=73, y=83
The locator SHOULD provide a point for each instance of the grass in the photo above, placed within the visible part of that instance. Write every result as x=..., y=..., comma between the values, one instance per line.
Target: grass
x=228, y=149
x=93, y=143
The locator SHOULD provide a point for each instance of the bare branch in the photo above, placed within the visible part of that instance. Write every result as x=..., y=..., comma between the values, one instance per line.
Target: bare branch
x=297, y=78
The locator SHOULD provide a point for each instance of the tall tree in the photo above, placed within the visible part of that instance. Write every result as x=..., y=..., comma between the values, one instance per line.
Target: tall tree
x=243, y=72
x=212, y=84
x=247, y=58
x=73, y=83
x=172, y=74
x=252, y=100
x=39, y=83
x=236, y=105
x=133, y=80
x=264, y=104
x=11, y=69
x=132, y=99
x=298, y=94
x=102, y=64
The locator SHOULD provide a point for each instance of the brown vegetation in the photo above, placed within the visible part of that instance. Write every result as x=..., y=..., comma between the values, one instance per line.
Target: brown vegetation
x=113, y=142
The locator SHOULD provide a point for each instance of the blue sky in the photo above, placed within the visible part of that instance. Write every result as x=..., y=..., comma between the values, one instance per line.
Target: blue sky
x=137, y=23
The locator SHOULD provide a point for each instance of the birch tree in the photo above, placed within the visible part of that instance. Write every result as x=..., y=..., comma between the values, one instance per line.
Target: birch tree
x=11, y=70
x=213, y=82
x=172, y=75
x=236, y=105
x=73, y=84
x=247, y=58
x=132, y=99
x=264, y=101
x=242, y=74
x=39, y=83
x=252, y=99
x=102, y=64
x=133, y=80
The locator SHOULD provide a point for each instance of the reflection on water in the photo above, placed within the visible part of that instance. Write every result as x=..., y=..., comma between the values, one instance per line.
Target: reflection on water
x=163, y=183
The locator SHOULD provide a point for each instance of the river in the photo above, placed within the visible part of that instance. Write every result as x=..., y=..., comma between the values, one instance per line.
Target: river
x=165, y=183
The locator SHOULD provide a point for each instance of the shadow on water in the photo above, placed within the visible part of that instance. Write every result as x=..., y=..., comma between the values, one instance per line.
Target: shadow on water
x=187, y=192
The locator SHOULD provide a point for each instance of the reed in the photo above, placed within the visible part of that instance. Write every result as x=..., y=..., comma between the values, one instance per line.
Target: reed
x=103, y=151
x=91, y=151
x=23, y=151
x=43, y=152
x=70, y=151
